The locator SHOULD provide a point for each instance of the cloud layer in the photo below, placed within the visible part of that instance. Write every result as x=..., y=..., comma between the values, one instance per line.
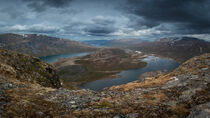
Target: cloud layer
x=190, y=16
x=106, y=19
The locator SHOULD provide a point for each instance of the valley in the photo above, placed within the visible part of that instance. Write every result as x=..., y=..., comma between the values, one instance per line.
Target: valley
x=126, y=76
x=179, y=49
x=118, y=81
x=182, y=92
x=102, y=64
x=104, y=58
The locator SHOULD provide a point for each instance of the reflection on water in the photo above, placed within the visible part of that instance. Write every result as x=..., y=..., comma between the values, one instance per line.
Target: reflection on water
x=153, y=64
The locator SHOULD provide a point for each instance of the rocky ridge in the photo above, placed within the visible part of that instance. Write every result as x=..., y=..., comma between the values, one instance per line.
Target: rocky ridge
x=28, y=68
x=183, y=92
x=41, y=45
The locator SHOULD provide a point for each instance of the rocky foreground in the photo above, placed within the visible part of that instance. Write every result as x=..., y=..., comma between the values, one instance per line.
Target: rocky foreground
x=184, y=92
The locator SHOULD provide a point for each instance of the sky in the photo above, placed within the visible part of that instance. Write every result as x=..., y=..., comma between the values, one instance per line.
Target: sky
x=107, y=19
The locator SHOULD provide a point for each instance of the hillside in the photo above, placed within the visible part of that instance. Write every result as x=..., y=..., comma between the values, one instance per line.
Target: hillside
x=179, y=49
x=102, y=64
x=183, y=92
x=114, y=42
x=41, y=45
x=27, y=69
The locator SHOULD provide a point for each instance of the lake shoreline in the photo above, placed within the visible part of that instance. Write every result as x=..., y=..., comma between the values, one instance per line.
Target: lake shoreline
x=173, y=66
x=111, y=75
x=54, y=58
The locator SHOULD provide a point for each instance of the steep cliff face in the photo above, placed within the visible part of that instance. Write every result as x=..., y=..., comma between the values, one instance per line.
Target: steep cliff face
x=41, y=45
x=184, y=92
x=28, y=68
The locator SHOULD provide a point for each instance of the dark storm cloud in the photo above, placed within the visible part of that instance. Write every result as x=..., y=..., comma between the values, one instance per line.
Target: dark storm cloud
x=13, y=14
x=41, y=5
x=99, y=31
x=100, y=27
x=190, y=16
x=104, y=22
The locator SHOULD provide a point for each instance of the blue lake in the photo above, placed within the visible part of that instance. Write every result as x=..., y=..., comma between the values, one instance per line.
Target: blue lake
x=153, y=64
x=54, y=58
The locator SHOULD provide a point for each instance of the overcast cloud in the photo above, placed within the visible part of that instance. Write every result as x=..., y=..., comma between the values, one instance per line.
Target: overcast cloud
x=106, y=19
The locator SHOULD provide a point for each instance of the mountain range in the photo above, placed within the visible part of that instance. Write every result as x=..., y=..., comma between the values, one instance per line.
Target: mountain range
x=114, y=42
x=177, y=48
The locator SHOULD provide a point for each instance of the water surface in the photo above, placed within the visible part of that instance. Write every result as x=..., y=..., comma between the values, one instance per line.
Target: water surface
x=54, y=58
x=153, y=64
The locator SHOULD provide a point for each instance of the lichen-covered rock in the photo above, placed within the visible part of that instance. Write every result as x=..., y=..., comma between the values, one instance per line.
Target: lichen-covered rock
x=200, y=111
